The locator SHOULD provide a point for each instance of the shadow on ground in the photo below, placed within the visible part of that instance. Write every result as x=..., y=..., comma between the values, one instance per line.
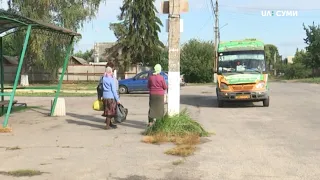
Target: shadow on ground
x=211, y=101
x=134, y=124
x=136, y=177
x=20, y=108
x=92, y=121
x=83, y=123
x=88, y=118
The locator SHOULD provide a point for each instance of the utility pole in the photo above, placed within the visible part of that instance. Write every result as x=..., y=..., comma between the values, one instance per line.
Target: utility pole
x=174, y=58
x=216, y=36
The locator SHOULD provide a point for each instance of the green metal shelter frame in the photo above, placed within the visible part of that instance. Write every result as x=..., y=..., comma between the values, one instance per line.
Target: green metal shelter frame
x=14, y=22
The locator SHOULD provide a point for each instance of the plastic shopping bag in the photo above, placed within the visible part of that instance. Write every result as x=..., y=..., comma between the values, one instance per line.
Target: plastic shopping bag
x=97, y=105
x=121, y=113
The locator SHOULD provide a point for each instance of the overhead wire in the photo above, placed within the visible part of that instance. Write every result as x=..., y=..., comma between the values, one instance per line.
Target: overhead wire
x=207, y=21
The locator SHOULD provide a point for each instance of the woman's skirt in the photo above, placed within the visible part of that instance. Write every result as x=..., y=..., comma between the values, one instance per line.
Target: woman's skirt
x=156, y=106
x=110, y=108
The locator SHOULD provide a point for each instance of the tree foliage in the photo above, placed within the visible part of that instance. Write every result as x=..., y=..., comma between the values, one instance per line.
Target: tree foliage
x=49, y=51
x=313, y=45
x=302, y=57
x=272, y=55
x=137, y=32
x=196, y=61
x=306, y=62
x=9, y=46
x=296, y=71
x=87, y=55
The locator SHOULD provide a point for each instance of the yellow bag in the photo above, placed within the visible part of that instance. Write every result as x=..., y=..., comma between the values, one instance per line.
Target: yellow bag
x=97, y=105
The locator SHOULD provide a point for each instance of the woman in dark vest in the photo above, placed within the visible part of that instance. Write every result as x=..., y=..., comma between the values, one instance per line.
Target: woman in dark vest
x=157, y=87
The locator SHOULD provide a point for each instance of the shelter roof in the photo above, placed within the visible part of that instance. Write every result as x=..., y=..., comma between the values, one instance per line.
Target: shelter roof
x=9, y=20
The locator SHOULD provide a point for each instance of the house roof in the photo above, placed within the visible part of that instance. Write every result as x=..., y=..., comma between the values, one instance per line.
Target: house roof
x=80, y=60
x=101, y=48
x=11, y=59
x=10, y=20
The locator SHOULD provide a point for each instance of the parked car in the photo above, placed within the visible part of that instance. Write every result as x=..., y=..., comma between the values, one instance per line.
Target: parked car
x=139, y=83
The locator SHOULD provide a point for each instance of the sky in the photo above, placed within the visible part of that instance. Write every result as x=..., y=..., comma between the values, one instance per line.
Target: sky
x=238, y=19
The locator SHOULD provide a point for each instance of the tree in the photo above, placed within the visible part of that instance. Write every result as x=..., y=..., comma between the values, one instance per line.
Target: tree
x=271, y=52
x=302, y=57
x=196, y=61
x=9, y=46
x=87, y=55
x=43, y=50
x=313, y=45
x=137, y=32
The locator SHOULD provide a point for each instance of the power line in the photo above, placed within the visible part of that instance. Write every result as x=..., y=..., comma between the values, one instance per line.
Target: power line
x=204, y=25
x=207, y=21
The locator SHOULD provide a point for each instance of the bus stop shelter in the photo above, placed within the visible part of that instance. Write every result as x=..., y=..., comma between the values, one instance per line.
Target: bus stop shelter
x=10, y=23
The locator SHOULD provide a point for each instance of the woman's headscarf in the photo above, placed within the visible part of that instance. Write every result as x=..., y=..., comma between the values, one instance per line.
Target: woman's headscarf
x=108, y=71
x=157, y=69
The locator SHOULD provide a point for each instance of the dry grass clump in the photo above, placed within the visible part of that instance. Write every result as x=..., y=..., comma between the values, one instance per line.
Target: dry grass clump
x=180, y=130
x=5, y=130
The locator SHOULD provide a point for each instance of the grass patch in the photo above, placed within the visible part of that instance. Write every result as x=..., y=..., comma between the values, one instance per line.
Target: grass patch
x=22, y=173
x=178, y=125
x=51, y=94
x=181, y=130
x=178, y=162
x=315, y=80
x=13, y=148
x=65, y=86
x=80, y=86
x=71, y=147
x=309, y=80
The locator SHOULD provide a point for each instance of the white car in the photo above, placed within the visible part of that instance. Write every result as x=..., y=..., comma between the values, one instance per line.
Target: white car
x=182, y=83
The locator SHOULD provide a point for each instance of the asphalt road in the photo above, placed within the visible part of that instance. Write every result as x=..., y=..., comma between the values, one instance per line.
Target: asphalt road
x=252, y=142
x=280, y=142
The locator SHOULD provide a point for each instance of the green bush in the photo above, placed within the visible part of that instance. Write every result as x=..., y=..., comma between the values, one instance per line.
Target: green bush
x=296, y=71
x=197, y=61
x=178, y=125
